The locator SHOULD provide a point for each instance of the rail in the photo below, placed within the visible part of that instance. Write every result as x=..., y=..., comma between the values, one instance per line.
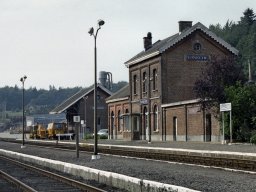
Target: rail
x=16, y=182
x=61, y=179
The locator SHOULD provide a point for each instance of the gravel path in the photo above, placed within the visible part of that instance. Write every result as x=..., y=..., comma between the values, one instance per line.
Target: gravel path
x=194, y=177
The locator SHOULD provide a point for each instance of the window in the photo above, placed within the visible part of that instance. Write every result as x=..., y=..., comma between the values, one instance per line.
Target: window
x=145, y=118
x=118, y=120
x=197, y=47
x=144, y=78
x=155, y=118
x=126, y=120
x=135, y=84
x=154, y=79
x=98, y=120
x=135, y=123
x=98, y=98
x=112, y=121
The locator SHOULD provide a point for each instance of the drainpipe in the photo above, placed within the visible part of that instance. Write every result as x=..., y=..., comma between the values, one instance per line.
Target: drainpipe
x=149, y=107
x=204, y=127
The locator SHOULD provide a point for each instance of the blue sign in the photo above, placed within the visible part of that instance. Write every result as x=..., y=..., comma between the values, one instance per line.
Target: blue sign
x=197, y=58
x=144, y=101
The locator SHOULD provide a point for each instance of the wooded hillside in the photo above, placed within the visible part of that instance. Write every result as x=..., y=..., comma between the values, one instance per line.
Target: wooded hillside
x=241, y=35
x=37, y=101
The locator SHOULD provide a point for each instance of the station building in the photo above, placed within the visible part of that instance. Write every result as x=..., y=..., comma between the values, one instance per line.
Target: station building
x=159, y=103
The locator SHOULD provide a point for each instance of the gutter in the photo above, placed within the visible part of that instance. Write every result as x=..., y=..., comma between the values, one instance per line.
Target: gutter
x=128, y=64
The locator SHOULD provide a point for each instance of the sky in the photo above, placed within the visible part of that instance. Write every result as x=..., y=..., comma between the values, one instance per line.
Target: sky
x=48, y=40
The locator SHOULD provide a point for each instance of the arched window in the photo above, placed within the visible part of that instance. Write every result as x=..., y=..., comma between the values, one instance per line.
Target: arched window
x=118, y=120
x=112, y=121
x=154, y=79
x=135, y=84
x=197, y=46
x=155, y=118
x=144, y=79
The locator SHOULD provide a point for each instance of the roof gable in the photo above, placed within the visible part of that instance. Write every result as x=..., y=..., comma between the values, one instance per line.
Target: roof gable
x=122, y=94
x=162, y=45
x=76, y=97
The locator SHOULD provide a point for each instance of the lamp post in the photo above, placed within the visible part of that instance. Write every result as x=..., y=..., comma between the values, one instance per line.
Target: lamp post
x=22, y=79
x=91, y=32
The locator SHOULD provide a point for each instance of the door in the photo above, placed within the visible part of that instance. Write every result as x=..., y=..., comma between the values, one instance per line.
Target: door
x=145, y=123
x=208, y=127
x=175, y=122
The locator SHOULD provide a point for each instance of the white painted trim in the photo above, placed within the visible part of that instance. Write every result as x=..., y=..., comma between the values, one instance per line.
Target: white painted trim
x=116, y=100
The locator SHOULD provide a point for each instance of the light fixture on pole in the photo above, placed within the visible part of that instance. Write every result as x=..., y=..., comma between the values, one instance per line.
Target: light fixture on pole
x=91, y=32
x=22, y=79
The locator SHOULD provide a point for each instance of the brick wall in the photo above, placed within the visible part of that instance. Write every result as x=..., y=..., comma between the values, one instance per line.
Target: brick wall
x=179, y=74
x=116, y=123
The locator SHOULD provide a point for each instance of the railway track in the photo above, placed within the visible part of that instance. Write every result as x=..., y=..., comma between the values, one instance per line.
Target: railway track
x=8, y=183
x=17, y=176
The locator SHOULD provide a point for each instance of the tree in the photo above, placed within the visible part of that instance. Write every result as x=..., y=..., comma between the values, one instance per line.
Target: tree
x=241, y=35
x=118, y=85
x=243, y=99
x=218, y=74
x=248, y=18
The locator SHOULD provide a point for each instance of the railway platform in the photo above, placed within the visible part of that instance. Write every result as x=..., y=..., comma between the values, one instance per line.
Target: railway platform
x=202, y=146
x=234, y=156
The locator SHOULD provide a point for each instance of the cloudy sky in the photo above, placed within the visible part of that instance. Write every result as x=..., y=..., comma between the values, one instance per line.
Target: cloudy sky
x=48, y=40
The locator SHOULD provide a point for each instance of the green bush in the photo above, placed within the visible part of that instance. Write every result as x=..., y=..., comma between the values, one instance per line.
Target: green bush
x=89, y=136
x=103, y=136
x=253, y=139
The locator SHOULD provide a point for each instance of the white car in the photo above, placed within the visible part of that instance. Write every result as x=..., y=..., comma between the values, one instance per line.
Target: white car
x=103, y=132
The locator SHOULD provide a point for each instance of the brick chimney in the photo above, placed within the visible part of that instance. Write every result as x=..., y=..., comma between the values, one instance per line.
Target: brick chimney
x=147, y=41
x=183, y=25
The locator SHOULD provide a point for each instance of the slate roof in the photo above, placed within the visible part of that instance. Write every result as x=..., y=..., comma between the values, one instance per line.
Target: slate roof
x=120, y=95
x=76, y=97
x=162, y=45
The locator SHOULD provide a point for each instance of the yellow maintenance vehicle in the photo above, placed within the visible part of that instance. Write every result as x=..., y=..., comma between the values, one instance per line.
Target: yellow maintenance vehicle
x=41, y=132
x=38, y=132
x=54, y=129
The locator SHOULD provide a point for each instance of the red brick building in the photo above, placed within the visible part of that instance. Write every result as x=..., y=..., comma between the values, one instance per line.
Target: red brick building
x=159, y=104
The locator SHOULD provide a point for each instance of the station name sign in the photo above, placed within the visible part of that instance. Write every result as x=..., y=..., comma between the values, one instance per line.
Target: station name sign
x=225, y=107
x=197, y=57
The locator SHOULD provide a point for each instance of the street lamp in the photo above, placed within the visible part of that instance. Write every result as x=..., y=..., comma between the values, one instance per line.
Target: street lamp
x=91, y=32
x=22, y=79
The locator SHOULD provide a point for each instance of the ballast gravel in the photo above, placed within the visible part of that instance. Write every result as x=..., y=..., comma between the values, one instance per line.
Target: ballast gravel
x=189, y=176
